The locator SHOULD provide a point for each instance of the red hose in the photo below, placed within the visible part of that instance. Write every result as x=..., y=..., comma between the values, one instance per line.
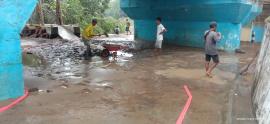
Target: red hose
x=187, y=105
x=17, y=101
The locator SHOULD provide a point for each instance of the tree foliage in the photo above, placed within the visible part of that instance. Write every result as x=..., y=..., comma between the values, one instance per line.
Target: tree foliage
x=81, y=12
x=115, y=10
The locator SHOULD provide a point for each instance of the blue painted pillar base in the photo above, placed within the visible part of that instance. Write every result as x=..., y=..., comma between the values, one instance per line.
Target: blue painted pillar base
x=189, y=33
x=14, y=14
x=259, y=32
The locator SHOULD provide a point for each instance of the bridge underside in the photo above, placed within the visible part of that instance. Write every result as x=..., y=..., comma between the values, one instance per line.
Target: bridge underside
x=187, y=21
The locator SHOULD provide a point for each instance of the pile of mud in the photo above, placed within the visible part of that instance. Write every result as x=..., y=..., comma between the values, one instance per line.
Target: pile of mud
x=57, y=50
x=64, y=60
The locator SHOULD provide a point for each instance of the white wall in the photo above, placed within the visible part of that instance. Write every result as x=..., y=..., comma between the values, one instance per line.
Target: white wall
x=245, y=34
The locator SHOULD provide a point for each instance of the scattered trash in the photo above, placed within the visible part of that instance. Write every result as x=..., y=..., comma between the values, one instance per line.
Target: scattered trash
x=31, y=90
x=49, y=91
x=41, y=91
x=108, y=87
x=65, y=86
x=240, y=51
x=86, y=91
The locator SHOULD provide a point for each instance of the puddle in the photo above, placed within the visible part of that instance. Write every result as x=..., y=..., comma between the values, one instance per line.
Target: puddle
x=220, y=77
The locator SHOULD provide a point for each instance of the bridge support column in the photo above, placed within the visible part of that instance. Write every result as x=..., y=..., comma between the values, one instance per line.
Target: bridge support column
x=14, y=14
x=189, y=33
x=187, y=21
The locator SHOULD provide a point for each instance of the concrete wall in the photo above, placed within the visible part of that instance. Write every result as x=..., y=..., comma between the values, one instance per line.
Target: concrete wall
x=246, y=34
x=13, y=14
x=187, y=21
x=261, y=91
x=259, y=32
x=188, y=33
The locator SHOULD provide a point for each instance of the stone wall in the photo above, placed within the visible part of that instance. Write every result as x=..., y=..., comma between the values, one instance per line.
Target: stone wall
x=261, y=94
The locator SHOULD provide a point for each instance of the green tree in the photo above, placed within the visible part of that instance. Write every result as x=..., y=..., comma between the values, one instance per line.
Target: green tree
x=73, y=12
x=115, y=10
x=95, y=7
x=82, y=12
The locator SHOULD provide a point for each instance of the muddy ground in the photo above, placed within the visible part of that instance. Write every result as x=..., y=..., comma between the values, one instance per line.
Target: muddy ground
x=135, y=88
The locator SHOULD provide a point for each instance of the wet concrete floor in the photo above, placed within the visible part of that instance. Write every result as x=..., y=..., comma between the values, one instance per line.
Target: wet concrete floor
x=136, y=88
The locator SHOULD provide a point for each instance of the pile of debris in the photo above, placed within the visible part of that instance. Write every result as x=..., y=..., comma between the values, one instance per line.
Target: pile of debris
x=57, y=50
x=50, y=31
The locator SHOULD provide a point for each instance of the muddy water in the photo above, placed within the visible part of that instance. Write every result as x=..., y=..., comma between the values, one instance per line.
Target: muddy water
x=136, y=88
x=62, y=60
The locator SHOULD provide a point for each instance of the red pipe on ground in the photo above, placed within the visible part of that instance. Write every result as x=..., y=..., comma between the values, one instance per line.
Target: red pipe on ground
x=17, y=101
x=186, y=107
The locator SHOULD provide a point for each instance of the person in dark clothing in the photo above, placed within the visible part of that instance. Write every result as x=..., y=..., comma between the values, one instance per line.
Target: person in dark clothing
x=211, y=38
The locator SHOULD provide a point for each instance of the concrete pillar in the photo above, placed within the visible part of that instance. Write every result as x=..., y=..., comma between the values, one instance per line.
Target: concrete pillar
x=187, y=21
x=259, y=31
x=14, y=14
x=189, y=33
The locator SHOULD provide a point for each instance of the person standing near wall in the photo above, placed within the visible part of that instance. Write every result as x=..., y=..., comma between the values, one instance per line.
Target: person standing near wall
x=87, y=35
x=159, y=39
x=117, y=30
x=211, y=38
x=252, y=38
x=128, y=27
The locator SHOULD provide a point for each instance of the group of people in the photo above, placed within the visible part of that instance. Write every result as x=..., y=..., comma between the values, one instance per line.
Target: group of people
x=127, y=30
x=211, y=37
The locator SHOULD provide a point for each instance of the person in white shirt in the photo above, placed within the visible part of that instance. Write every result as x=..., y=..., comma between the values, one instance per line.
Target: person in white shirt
x=160, y=31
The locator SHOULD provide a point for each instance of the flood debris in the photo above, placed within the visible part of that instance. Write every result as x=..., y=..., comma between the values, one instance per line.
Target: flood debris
x=31, y=90
x=65, y=86
x=240, y=51
x=63, y=59
x=58, y=50
x=35, y=90
x=86, y=91
x=44, y=91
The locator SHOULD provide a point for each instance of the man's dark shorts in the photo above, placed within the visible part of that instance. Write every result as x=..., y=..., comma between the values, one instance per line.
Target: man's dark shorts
x=215, y=58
